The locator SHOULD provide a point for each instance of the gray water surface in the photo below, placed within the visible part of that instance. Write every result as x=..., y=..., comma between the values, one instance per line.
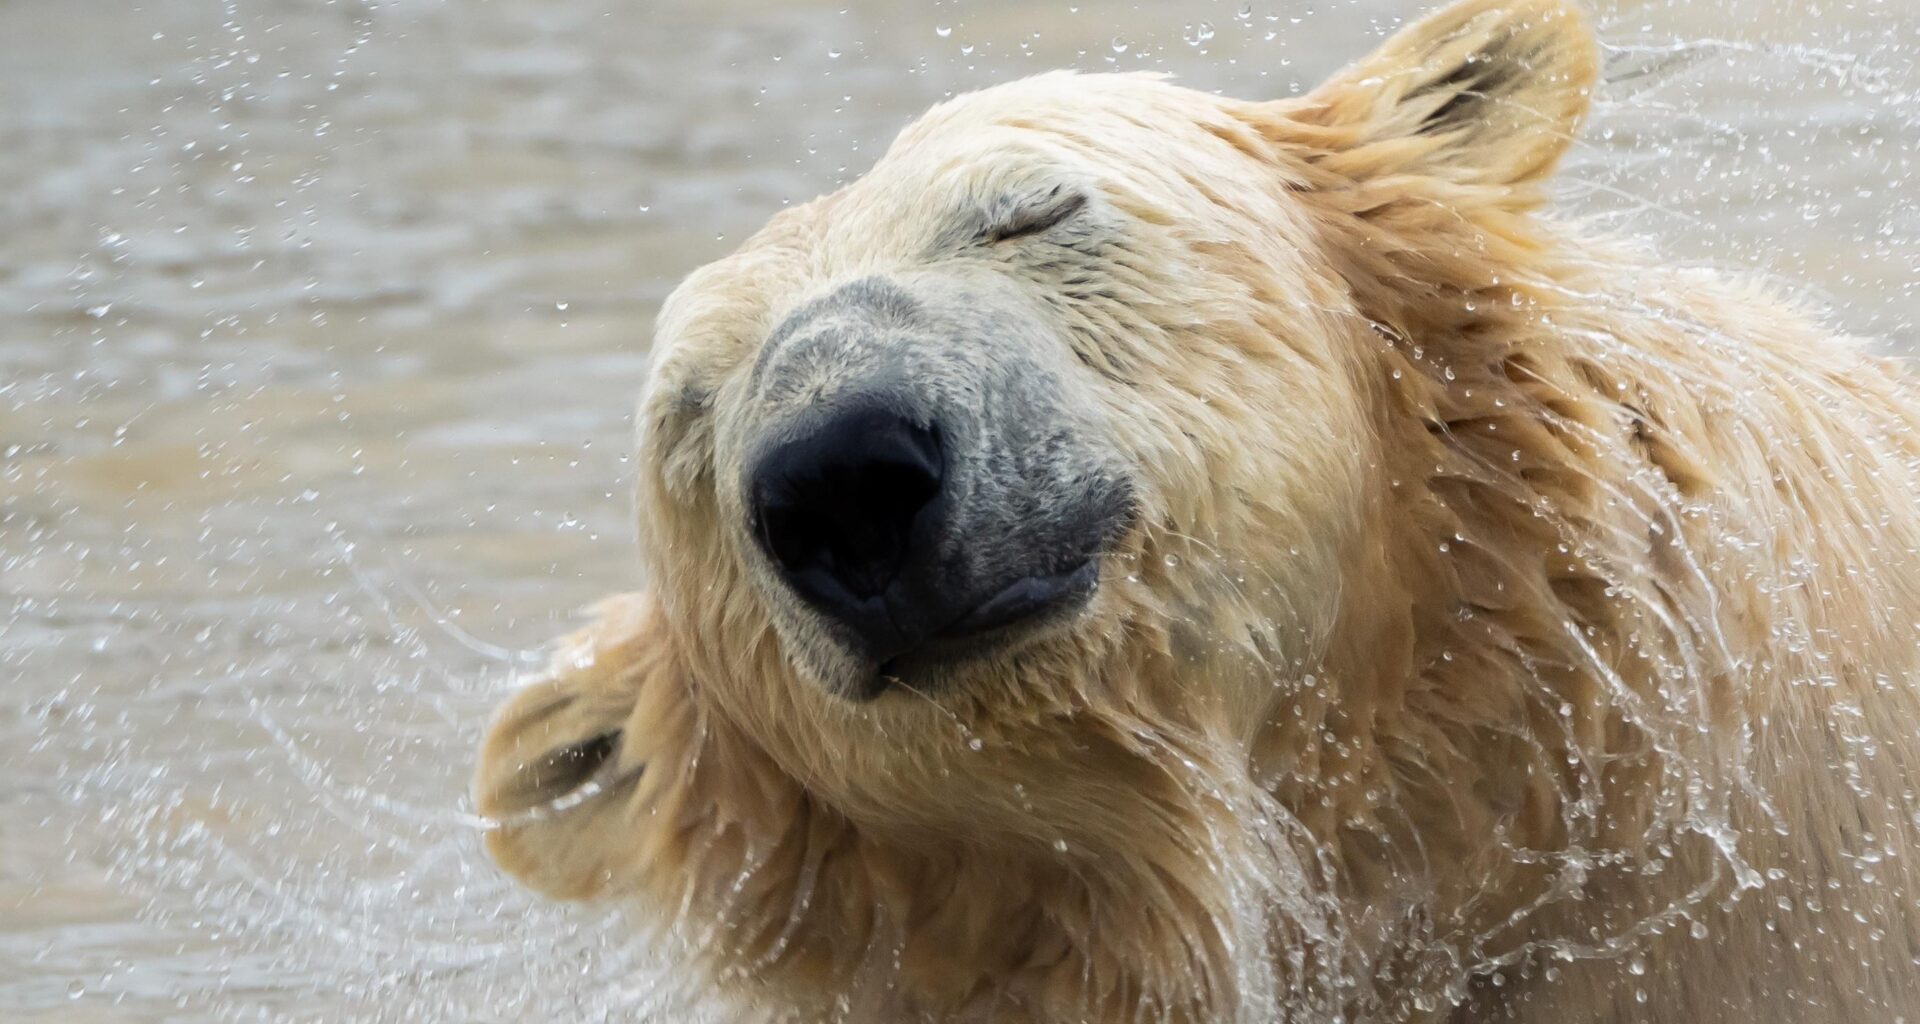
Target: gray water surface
x=320, y=325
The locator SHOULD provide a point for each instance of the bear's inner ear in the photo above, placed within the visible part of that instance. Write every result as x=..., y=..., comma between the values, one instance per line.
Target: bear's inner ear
x=549, y=741
x=1486, y=91
x=551, y=778
x=568, y=728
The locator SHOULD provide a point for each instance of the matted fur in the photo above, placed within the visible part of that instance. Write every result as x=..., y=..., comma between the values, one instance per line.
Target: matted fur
x=1516, y=629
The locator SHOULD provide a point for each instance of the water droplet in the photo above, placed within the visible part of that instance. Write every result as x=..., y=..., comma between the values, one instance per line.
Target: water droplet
x=833, y=54
x=943, y=31
x=975, y=744
x=1119, y=45
x=76, y=989
x=1198, y=33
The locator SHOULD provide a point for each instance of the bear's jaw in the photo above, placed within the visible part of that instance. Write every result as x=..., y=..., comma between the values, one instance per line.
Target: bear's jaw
x=1008, y=907
x=958, y=934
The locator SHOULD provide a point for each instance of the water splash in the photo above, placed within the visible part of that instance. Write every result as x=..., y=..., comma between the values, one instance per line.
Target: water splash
x=289, y=432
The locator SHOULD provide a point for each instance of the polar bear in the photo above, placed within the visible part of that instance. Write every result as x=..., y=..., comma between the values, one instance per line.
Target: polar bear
x=1137, y=555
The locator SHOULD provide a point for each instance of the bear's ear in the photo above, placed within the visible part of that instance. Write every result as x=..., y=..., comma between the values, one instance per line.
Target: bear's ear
x=562, y=763
x=1486, y=91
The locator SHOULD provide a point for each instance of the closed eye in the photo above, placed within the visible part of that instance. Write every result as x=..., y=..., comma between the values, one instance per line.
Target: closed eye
x=1033, y=215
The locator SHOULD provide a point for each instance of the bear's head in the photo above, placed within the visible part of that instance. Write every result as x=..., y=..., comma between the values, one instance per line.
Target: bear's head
x=1044, y=545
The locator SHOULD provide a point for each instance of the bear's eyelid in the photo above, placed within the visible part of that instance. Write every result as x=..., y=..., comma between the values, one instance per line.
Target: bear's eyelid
x=1032, y=216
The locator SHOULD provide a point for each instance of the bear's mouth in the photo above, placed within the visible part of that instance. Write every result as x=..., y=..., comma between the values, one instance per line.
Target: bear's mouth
x=1014, y=613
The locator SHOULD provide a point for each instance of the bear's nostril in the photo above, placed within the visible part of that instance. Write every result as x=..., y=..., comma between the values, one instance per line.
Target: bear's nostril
x=836, y=508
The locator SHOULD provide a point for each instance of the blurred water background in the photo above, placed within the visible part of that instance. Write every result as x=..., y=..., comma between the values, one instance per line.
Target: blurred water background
x=320, y=326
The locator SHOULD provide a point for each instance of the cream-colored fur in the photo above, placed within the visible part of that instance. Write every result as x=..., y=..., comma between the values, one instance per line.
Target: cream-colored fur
x=1516, y=629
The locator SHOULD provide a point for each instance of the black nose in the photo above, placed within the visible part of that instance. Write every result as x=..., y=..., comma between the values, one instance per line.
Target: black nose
x=844, y=510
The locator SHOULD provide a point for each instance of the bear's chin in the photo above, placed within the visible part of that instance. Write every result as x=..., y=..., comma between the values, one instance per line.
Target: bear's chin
x=940, y=665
